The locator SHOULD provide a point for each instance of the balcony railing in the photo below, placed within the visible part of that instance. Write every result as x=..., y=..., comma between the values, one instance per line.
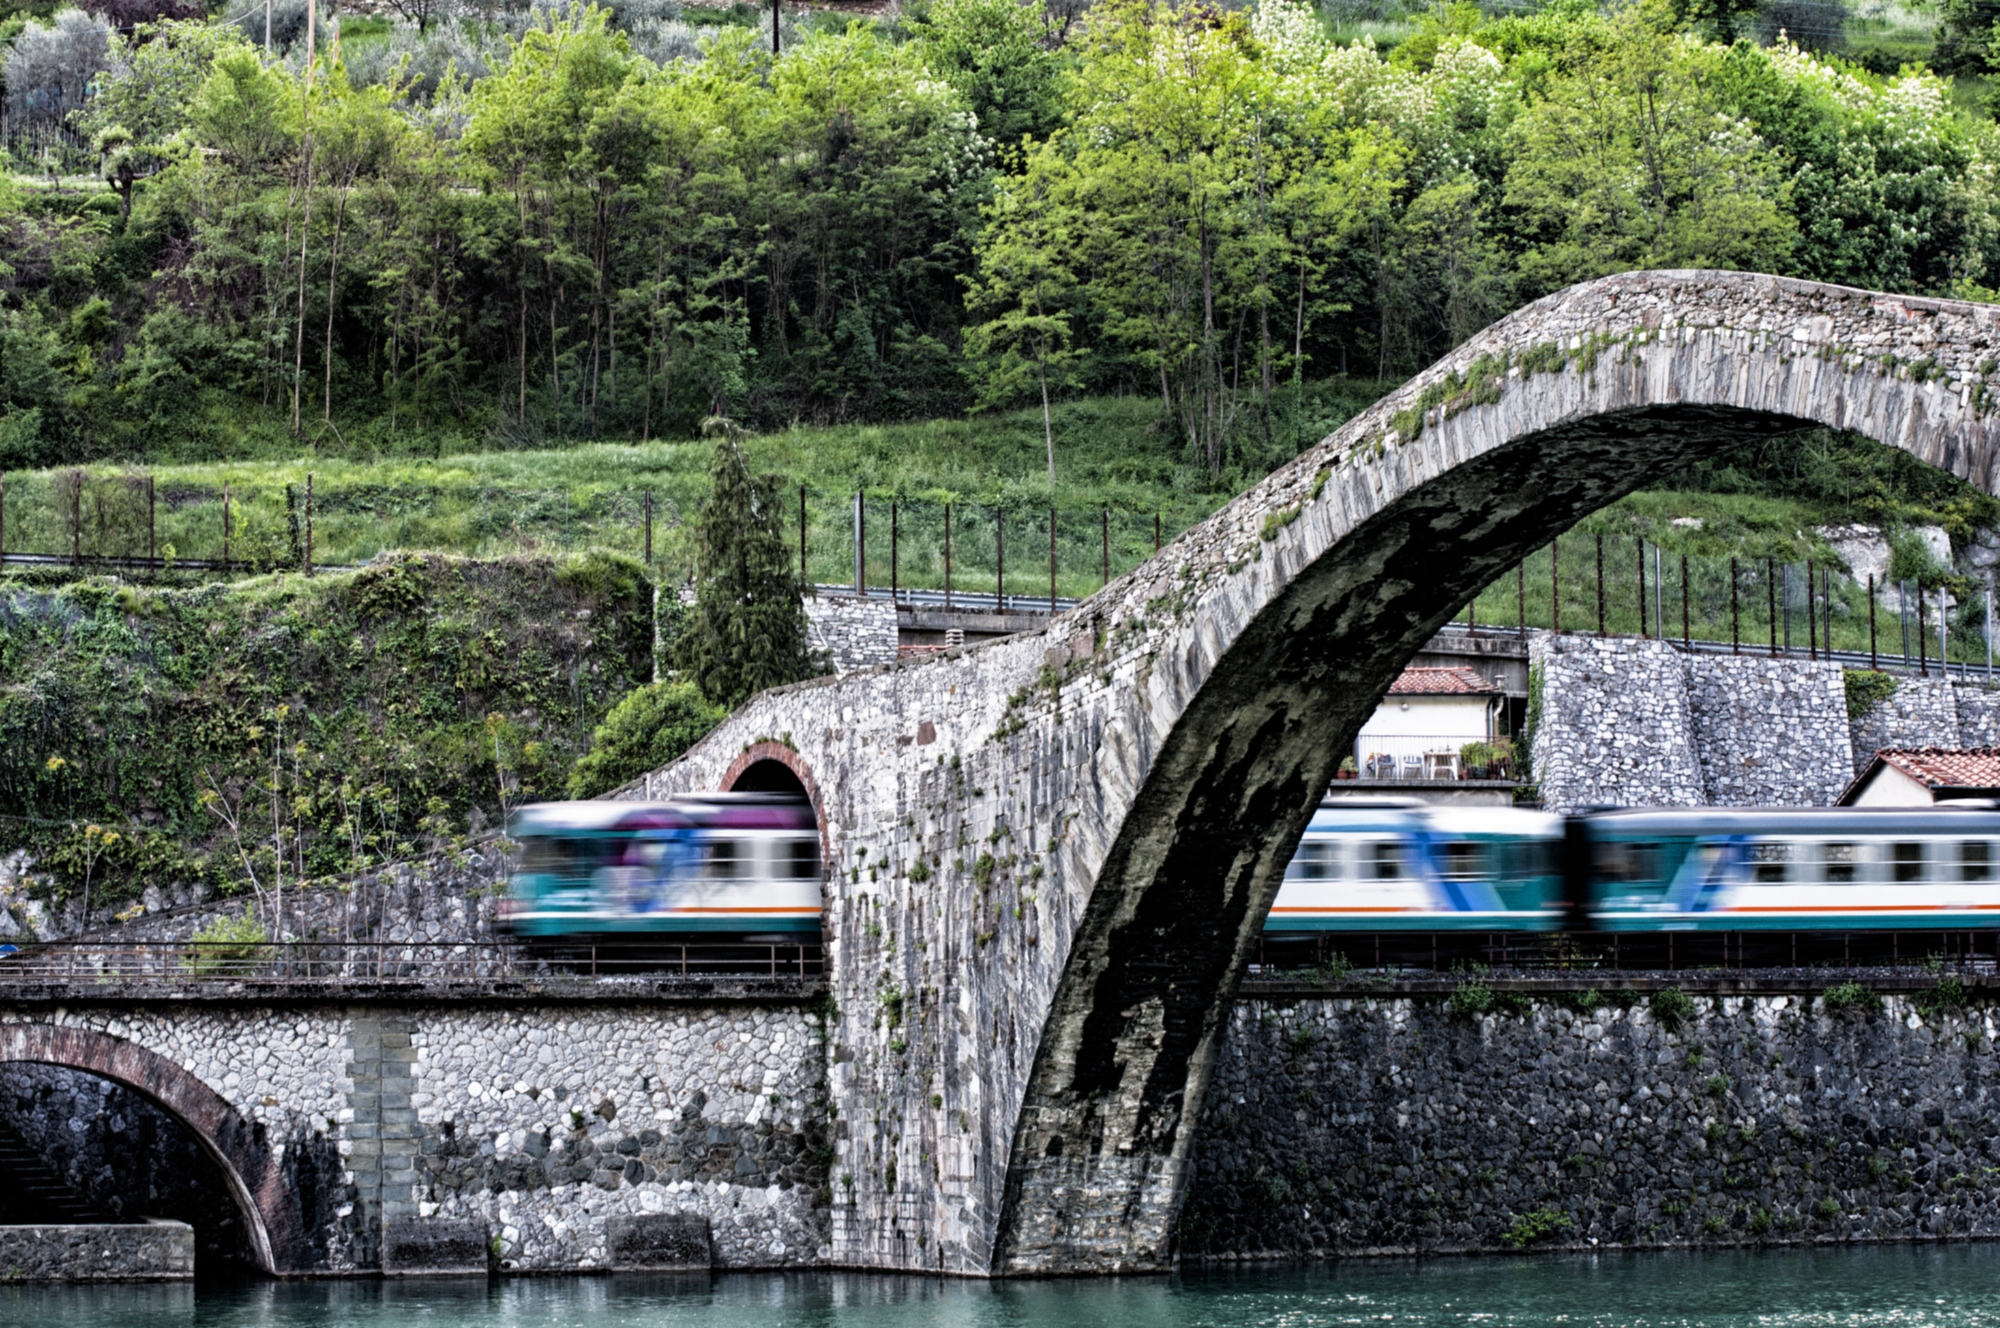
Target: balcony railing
x=1434, y=757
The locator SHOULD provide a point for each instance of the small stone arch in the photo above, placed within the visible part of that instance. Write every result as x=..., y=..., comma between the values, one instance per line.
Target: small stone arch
x=249, y=1166
x=773, y=767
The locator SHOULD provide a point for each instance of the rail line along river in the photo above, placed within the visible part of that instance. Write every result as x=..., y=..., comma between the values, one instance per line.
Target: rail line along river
x=1905, y=1286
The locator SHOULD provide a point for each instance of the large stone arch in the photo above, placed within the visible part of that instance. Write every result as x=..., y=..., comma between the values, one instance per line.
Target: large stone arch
x=1145, y=764
x=249, y=1166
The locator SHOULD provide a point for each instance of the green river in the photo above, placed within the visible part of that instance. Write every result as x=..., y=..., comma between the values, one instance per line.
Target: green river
x=1890, y=1285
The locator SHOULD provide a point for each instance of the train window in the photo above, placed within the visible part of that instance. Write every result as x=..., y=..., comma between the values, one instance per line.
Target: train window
x=1837, y=862
x=1463, y=861
x=1975, y=860
x=719, y=859
x=1618, y=861
x=1386, y=855
x=1314, y=861
x=1770, y=864
x=802, y=860
x=1909, y=860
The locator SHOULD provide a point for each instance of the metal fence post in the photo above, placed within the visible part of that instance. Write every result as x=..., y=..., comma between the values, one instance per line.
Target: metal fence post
x=3, y=524
x=1052, y=560
x=1812, y=617
x=1643, y=633
x=860, y=548
x=1771, y=592
x=1871, y=622
x=1735, y=613
x=1923, y=636
x=1104, y=521
x=1687, y=641
x=1555, y=586
x=947, y=557
x=1600, y=583
x=1521, y=597
x=309, y=523
x=649, y=527
x=999, y=560
x=152, y=526
x=1156, y=532
x=804, y=580
x=895, y=552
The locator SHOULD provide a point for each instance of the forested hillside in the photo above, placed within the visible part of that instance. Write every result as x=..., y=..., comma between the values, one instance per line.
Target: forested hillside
x=474, y=228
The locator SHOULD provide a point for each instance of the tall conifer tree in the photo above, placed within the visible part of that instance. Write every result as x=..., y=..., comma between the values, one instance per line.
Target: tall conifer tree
x=749, y=628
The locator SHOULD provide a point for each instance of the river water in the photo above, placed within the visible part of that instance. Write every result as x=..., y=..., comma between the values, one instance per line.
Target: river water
x=1904, y=1286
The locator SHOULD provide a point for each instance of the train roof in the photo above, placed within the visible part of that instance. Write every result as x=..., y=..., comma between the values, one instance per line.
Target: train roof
x=721, y=811
x=1406, y=814
x=1950, y=818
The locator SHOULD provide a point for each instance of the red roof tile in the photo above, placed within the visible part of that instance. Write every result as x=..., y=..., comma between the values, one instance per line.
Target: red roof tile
x=1946, y=767
x=1443, y=682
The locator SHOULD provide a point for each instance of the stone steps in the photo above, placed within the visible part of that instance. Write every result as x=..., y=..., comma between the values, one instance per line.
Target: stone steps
x=31, y=1193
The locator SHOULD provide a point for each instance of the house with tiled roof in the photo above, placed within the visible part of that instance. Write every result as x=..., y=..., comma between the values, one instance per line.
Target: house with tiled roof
x=1424, y=726
x=1924, y=776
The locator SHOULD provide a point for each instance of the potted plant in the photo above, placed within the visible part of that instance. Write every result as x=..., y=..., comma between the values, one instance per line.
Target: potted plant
x=1475, y=759
x=1347, y=768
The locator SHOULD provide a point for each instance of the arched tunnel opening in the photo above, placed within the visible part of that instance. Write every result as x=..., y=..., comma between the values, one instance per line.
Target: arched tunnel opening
x=770, y=775
x=79, y=1148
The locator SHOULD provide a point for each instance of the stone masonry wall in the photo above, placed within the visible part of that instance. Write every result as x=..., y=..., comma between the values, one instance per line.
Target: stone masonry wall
x=854, y=632
x=543, y=1122
x=1621, y=718
x=1922, y=713
x=1613, y=726
x=1769, y=732
x=1377, y=1125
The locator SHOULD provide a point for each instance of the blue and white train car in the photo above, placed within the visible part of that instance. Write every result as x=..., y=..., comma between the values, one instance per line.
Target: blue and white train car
x=1378, y=865
x=735, y=865
x=1795, y=869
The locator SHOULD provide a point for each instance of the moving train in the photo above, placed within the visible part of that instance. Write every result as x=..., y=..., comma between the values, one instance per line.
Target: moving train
x=719, y=865
x=747, y=866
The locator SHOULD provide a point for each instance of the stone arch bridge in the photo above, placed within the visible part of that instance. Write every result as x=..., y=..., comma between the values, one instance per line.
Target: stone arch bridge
x=1049, y=854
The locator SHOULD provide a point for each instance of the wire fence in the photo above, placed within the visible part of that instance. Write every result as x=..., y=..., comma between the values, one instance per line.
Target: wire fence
x=1628, y=586
x=424, y=964
x=968, y=553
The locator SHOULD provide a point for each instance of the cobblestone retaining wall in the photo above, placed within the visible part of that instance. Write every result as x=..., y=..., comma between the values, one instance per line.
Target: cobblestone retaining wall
x=1620, y=719
x=154, y=1251
x=1613, y=724
x=1922, y=713
x=854, y=632
x=541, y=1122
x=1769, y=732
x=1358, y=1125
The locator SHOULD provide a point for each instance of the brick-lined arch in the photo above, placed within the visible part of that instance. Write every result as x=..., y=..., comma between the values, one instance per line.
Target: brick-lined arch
x=249, y=1165
x=788, y=757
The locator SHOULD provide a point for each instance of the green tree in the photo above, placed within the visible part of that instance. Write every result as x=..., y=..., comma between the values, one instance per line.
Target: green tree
x=649, y=728
x=1005, y=58
x=1636, y=160
x=749, y=628
x=1025, y=284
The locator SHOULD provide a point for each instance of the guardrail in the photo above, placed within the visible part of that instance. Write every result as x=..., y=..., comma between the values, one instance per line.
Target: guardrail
x=424, y=963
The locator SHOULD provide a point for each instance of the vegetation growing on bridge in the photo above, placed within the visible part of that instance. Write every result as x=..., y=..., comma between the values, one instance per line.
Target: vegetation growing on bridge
x=246, y=736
